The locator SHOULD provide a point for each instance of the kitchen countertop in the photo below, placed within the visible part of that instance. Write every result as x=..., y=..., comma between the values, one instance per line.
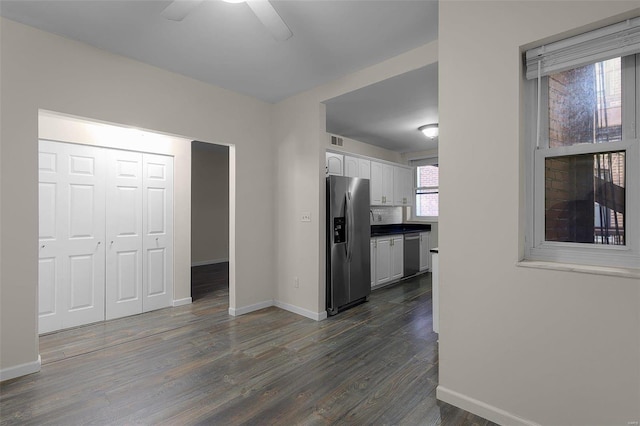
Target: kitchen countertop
x=398, y=228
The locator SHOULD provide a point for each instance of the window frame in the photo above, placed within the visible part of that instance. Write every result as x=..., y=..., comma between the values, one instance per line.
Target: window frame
x=536, y=247
x=426, y=161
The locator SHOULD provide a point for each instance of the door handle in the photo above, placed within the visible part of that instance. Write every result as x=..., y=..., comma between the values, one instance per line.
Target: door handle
x=350, y=230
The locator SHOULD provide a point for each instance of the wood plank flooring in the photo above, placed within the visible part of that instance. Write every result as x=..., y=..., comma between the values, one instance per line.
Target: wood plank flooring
x=376, y=363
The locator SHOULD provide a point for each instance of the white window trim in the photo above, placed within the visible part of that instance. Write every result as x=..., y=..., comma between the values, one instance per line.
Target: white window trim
x=415, y=163
x=536, y=248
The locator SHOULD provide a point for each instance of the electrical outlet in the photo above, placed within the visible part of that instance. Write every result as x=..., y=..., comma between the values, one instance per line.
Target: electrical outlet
x=296, y=282
x=306, y=217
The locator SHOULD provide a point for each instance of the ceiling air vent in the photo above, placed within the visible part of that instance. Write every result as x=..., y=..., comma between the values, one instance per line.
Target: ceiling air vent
x=336, y=141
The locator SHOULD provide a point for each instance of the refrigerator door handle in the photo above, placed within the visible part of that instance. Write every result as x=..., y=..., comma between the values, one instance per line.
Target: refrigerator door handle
x=350, y=226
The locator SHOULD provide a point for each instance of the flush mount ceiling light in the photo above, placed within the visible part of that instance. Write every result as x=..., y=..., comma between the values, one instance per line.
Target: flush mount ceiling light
x=429, y=130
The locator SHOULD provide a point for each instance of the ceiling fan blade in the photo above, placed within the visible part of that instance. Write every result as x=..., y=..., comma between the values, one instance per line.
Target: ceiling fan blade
x=270, y=19
x=179, y=9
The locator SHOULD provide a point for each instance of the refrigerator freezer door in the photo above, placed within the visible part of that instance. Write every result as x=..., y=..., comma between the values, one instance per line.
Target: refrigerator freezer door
x=348, y=252
x=338, y=266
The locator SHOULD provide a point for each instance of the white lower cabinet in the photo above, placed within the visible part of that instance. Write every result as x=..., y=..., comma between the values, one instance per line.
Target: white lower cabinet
x=105, y=234
x=425, y=255
x=383, y=260
x=387, y=254
x=397, y=257
x=373, y=262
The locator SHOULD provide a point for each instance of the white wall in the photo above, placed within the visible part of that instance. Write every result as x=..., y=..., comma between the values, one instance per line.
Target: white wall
x=43, y=71
x=209, y=203
x=518, y=345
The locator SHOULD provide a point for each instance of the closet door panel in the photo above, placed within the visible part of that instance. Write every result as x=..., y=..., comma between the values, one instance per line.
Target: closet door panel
x=71, y=235
x=157, y=210
x=48, y=315
x=82, y=207
x=124, y=232
x=51, y=228
x=84, y=265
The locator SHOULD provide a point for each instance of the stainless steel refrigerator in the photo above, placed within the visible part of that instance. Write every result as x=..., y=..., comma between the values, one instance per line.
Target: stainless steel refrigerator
x=348, y=243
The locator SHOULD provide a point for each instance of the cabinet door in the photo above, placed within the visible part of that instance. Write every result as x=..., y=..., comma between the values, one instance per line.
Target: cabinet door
x=383, y=260
x=373, y=262
x=351, y=168
x=364, y=168
x=387, y=184
x=124, y=234
x=397, y=257
x=398, y=186
x=425, y=255
x=409, y=185
x=157, y=205
x=402, y=186
x=334, y=163
x=376, y=185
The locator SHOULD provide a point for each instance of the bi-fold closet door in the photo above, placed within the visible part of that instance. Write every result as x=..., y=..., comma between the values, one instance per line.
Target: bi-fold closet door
x=106, y=234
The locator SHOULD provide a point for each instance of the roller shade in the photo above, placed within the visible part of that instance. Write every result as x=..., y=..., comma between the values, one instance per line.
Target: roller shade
x=430, y=161
x=616, y=40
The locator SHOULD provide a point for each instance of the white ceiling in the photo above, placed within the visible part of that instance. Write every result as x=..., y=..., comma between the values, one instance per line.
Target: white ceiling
x=388, y=113
x=226, y=45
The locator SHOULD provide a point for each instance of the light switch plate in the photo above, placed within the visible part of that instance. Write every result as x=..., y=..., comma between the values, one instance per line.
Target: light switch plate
x=306, y=217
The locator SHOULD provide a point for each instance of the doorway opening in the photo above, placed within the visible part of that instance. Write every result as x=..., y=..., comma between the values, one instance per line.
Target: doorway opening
x=209, y=220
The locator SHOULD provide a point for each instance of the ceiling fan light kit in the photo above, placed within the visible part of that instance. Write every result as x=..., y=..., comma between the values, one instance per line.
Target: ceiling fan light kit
x=264, y=11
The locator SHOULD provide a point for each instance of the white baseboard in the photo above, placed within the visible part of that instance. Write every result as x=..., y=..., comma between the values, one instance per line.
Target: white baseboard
x=180, y=302
x=209, y=262
x=20, y=370
x=317, y=316
x=480, y=408
x=246, y=309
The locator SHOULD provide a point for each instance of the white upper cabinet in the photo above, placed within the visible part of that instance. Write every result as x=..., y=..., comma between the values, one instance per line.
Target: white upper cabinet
x=357, y=167
x=335, y=164
x=381, y=184
x=402, y=186
x=390, y=185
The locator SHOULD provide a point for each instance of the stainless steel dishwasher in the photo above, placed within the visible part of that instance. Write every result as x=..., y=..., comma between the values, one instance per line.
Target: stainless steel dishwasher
x=411, y=254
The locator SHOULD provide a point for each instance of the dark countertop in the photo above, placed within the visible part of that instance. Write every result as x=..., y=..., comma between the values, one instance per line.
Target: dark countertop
x=398, y=228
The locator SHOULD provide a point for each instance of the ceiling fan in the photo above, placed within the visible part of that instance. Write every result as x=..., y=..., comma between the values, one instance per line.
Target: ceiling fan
x=179, y=9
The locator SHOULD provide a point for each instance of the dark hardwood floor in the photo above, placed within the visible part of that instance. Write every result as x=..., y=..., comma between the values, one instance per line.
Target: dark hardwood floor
x=376, y=363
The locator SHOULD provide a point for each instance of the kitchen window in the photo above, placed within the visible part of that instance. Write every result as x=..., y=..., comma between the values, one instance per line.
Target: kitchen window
x=583, y=165
x=427, y=188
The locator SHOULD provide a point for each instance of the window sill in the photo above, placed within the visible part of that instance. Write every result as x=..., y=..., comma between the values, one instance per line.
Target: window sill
x=585, y=269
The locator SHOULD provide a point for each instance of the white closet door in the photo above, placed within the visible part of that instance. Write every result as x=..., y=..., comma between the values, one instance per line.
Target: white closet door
x=72, y=207
x=157, y=208
x=50, y=232
x=124, y=234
